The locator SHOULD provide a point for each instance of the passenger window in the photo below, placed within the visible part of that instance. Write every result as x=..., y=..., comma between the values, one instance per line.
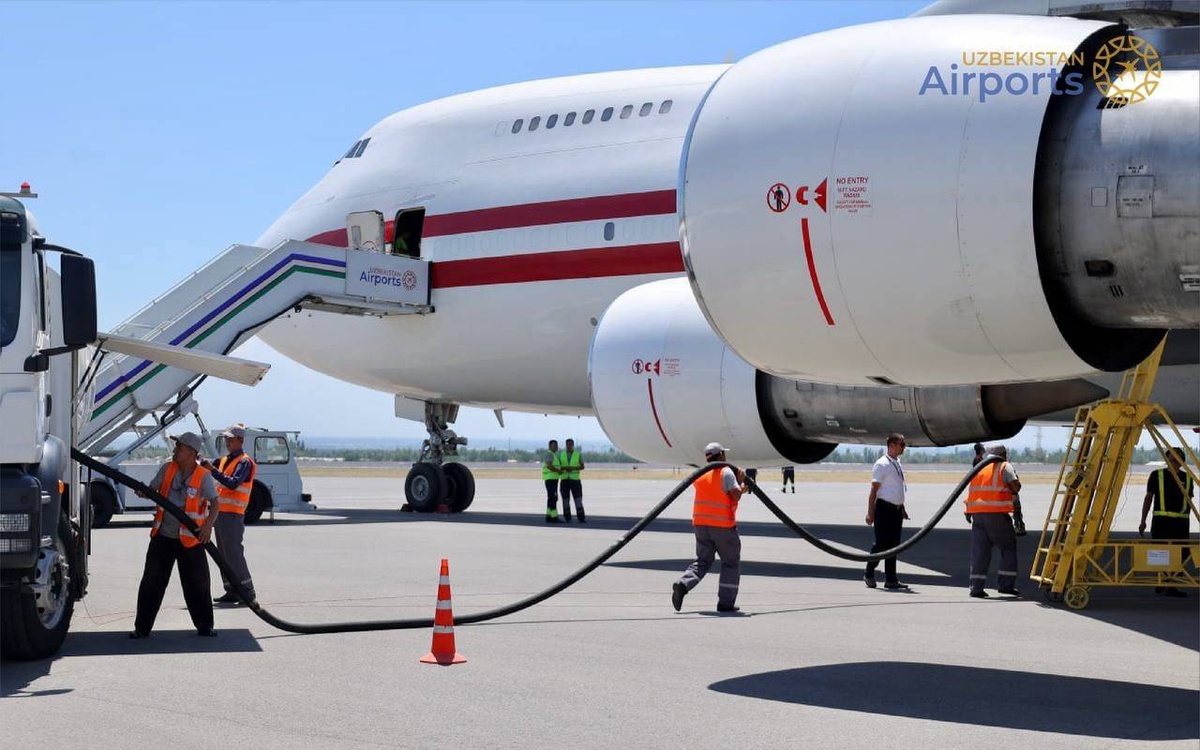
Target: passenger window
x=646, y=109
x=534, y=122
x=271, y=450
x=516, y=128
x=551, y=121
x=610, y=230
x=606, y=115
x=569, y=120
x=626, y=111
x=665, y=107
x=587, y=116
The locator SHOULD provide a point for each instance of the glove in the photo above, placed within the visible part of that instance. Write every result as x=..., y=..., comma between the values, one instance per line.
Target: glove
x=1019, y=523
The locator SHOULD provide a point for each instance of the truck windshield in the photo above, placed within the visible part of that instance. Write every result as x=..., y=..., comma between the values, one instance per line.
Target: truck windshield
x=10, y=293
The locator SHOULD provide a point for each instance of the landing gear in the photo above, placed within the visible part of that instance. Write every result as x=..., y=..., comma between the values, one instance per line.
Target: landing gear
x=432, y=481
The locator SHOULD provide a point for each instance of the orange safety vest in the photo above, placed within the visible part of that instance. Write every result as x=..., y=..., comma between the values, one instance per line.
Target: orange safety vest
x=712, y=506
x=988, y=492
x=195, y=506
x=235, y=500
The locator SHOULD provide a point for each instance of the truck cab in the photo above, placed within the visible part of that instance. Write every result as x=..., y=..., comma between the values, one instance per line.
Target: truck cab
x=46, y=318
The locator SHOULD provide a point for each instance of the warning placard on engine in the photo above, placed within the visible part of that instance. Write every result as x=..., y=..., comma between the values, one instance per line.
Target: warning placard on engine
x=852, y=194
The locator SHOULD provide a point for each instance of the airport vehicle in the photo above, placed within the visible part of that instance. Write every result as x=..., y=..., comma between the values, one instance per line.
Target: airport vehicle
x=777, y=259
x=278, y=485
x=47, y=325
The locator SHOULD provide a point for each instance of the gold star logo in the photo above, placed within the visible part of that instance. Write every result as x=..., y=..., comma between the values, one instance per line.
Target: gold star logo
x=1127, y=69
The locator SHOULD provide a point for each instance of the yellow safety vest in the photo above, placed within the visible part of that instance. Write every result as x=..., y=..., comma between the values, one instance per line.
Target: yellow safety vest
x=988, y=492
x=1161, y=510
x=547, y=472
x=195, y=506
x=567, y=461
x=235, y=500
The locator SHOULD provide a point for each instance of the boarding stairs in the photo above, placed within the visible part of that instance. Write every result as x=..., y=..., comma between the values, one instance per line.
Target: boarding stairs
x=223, y=304
x=1074, y=552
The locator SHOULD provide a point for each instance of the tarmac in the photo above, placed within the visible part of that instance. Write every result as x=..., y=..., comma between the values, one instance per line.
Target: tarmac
x=814, y=657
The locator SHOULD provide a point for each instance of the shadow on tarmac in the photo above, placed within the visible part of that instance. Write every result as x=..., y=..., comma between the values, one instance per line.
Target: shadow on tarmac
x=985, y=697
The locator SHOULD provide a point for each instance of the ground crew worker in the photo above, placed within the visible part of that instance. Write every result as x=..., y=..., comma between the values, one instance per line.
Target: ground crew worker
x=570, y=463
x=714, y=521
x=991, y=497
x=1167, y=491
x=189, y=486
x=789, y=477
x=885, y=510
x=550, y=475
x=234, y=473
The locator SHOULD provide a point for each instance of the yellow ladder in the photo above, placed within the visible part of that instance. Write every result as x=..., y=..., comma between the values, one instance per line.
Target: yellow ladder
x=1090, y=480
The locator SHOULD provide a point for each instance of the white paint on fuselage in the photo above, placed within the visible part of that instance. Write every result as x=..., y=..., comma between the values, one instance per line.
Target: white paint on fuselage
x=518, y=345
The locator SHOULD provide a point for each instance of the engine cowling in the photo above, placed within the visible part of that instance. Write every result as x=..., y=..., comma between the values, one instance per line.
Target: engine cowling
x=840, y=226
x=664, y=385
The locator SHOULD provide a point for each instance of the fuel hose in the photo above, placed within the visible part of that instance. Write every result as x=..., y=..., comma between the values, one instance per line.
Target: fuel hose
x=491, y=614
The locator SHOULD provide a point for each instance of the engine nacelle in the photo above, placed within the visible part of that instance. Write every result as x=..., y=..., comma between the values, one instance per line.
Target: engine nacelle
x=664, y=385
x=839, y=225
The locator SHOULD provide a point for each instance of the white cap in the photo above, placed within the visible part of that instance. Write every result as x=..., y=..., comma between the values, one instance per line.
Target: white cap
x=190, y=439
x=234, y=432
x=713, y=449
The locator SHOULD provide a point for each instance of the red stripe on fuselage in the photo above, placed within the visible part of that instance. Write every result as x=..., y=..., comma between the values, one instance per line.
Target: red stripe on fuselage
x=551, y=212
x=627, y=260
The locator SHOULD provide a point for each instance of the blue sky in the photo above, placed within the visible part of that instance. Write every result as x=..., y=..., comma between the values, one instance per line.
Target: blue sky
x=159, y=133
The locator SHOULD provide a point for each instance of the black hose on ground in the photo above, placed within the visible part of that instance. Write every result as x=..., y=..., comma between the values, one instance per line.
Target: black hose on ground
x=491, y=614
x=859, y=557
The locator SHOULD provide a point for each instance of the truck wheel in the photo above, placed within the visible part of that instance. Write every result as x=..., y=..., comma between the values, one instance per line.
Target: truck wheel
x=425, y=487
x=260, y=500
x=461, y=486
x=104, y=504
x=33, y=624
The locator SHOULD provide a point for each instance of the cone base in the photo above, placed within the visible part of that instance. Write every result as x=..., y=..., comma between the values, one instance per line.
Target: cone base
x=443, y=659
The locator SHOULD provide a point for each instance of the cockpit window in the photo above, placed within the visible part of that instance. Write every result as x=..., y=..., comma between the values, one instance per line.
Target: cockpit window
x=356, y=150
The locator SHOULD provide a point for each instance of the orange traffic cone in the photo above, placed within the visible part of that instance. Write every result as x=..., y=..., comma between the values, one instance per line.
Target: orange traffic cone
x=442, y=652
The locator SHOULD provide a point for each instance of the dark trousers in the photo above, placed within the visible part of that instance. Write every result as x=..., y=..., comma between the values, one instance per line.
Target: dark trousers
x=230, y=532
x=568, y=488
x=993, y=530
x=161, y=556
x=712, y=542
x=551, y=497
x=888, y=521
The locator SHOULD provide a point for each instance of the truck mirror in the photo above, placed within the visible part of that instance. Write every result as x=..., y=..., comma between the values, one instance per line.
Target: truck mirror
x=78, y=301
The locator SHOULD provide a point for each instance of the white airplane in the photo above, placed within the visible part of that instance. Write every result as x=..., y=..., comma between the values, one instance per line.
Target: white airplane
x=838, y=237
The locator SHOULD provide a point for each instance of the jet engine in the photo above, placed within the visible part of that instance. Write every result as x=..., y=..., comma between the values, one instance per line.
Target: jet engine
x=948, y=200
x=664, y=385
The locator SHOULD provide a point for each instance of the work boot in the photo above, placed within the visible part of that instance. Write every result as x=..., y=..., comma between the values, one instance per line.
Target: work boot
x=728, y=608
x=582, y=517
x=895, y=586
x=980, y=594
x=1014, y=591
x=228, y=598
x=1174, y=593
x=869, y=579
x=678, y=591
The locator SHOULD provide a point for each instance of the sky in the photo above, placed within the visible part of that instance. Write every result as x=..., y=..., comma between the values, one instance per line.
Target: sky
x=159, y=133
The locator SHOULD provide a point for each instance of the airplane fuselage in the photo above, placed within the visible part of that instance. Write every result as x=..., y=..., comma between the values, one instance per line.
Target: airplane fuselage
x=544, y=201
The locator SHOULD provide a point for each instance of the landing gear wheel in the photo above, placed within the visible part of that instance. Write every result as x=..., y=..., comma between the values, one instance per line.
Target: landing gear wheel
x=260, y=500
x=103, y=504
x=35, y=623
x=1077, y=597
x=460, y=489
x=425, y=487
